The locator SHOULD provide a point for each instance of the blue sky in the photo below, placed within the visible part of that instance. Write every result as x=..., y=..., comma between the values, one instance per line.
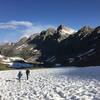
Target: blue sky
x=24, y=17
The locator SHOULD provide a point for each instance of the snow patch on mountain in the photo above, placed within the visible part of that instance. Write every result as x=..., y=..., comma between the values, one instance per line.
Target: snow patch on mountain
x=68, y=30
x=21, y=46
x=65, y=30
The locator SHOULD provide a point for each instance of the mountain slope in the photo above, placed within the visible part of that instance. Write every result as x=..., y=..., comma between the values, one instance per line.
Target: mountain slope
x=59, y=46
x=85, y=40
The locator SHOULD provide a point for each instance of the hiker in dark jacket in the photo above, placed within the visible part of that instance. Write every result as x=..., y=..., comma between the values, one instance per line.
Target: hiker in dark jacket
x=27, y=73
x=19, y=75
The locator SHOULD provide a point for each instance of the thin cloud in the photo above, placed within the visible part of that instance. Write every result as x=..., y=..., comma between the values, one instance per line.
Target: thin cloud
x=14, y=30
x=15, y=24
x=21, y=23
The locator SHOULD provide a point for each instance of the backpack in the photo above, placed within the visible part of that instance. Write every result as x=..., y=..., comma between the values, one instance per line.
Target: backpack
x=27, y=71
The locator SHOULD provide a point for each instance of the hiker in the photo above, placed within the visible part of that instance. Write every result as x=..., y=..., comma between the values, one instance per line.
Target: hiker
x=27, y=73
x=19, y=75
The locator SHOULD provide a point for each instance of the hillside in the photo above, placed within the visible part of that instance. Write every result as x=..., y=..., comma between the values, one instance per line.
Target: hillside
x=63, y=46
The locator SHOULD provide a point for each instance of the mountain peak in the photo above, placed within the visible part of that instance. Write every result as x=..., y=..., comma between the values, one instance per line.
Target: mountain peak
x=65, y=30
x=86, y=29
x=97, y=29
x=51, y=30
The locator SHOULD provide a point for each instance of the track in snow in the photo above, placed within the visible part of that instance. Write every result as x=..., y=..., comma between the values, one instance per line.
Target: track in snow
x=52, y=84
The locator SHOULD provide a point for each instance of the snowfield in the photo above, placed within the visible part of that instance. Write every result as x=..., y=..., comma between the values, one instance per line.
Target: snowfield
x=52, y=84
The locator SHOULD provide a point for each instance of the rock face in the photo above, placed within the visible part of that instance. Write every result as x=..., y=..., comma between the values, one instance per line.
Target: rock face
x=83, y=46
x=65, y=30
x=59, y=46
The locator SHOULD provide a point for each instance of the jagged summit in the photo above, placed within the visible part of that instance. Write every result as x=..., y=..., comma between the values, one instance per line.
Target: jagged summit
x=59, y=46
x=65, y=30
x=51, y=30
x=87, y=29
x=97, y=29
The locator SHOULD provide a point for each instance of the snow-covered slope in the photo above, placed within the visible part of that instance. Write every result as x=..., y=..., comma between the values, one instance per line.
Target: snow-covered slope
x=1, y=56
x=52, y=84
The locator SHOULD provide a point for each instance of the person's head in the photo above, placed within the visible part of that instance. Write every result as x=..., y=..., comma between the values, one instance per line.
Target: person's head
x=27, y=69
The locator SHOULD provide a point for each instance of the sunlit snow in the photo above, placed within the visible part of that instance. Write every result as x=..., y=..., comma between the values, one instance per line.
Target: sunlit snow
x=52, y=84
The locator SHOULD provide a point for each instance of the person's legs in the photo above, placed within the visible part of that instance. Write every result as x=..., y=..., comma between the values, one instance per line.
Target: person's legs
x=27, y=76
x=19, y=79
